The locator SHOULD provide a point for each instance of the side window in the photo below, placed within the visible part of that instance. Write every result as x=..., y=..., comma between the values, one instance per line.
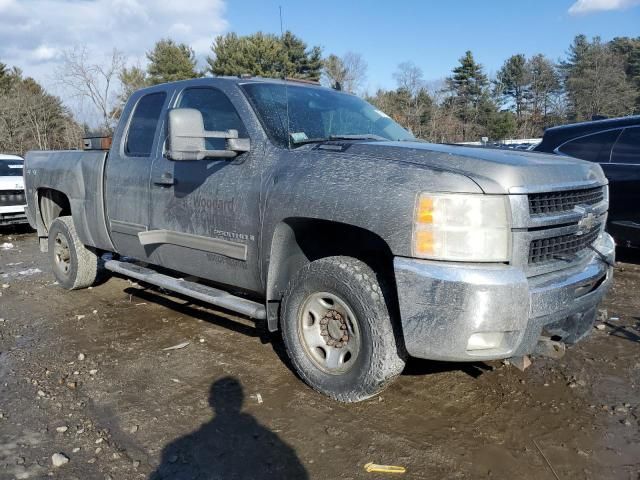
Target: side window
x=217, y=112
x=627, y=148
x=595, y=147
x=142, y=127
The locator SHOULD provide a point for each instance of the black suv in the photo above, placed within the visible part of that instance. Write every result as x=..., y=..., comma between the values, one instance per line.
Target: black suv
x=614, y=144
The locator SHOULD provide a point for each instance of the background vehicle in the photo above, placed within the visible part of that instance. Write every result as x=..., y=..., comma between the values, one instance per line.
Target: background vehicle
x=615, y=145
x=312, y=210
x=12, y=198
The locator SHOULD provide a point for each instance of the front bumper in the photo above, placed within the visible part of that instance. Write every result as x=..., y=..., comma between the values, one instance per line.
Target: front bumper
x=442, y=304
x=13, y=215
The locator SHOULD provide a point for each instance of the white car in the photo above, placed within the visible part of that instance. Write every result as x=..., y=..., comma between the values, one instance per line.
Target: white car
x=12, y=198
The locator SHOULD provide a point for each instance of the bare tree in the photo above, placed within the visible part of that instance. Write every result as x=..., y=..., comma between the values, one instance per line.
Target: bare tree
x=31, y=118
x=347, y=72
x=94, y=81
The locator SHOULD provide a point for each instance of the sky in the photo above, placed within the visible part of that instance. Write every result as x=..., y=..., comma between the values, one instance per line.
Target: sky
x=434, y=35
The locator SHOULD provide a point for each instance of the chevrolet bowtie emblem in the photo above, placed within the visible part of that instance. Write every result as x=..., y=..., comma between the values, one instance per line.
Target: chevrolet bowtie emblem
x=587, y=222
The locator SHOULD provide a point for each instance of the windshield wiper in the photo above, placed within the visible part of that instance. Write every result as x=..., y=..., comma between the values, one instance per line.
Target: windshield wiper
x=339, y=137
x=309, y=140
x=370, y=136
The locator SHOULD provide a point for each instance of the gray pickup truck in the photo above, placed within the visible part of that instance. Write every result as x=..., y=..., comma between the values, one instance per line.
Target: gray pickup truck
x=311, y=210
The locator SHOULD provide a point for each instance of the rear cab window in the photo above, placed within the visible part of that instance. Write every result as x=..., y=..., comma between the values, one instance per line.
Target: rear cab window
x=594, y=148
x=143, y=124
x=627, y=148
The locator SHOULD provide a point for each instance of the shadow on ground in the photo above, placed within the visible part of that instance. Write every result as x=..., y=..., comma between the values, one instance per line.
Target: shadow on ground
x=420, y=367
x=233, y=445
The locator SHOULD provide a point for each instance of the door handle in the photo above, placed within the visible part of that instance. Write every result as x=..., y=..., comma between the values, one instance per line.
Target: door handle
x=166, y=179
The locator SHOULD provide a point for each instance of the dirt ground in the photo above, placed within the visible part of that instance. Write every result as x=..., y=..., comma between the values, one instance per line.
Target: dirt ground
x=86, y=374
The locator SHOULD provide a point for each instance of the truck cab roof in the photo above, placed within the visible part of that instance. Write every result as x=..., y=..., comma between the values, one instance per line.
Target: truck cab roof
x=239, y=80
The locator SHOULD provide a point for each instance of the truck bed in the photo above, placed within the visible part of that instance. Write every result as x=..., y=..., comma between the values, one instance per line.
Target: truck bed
x=79, y=174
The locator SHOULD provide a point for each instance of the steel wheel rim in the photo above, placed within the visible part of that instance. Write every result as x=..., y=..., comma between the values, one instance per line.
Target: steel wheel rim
x=329, y=332
x=61, y=254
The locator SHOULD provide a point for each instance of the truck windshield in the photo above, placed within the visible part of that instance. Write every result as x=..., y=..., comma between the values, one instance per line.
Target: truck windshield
x=10, y=168
x=317, y=114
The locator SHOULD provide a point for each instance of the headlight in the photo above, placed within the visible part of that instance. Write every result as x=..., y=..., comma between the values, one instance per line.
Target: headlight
x=462, y=227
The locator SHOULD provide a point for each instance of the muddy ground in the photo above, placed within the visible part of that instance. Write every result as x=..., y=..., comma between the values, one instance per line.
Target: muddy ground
x=85, y=374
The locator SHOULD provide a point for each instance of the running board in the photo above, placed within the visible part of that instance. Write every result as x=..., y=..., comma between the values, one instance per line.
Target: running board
x=211, y=295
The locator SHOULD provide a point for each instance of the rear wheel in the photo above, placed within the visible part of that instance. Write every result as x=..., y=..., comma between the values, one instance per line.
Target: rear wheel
x=73, y=264
x=337, y=329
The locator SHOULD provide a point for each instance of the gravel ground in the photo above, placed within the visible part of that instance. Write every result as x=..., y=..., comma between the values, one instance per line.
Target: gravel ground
x=89, y=391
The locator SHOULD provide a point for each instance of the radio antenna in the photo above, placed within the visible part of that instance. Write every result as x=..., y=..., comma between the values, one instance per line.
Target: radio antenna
x=284, y=76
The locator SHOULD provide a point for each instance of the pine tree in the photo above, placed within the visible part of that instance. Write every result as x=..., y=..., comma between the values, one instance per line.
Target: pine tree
x=512, y=83
x=544, y=88
x=170, y=61
x=265, y=55
x=595, y=80
x=629, y=50
x=470, y=97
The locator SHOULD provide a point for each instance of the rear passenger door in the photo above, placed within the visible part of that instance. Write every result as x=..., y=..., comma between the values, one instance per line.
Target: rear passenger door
x=207, y=213
x=623, y=173
x=128, y=169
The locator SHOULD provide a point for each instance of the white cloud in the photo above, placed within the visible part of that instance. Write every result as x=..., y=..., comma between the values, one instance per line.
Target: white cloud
x=44, y=53
x=588, y=6
x=34, y=33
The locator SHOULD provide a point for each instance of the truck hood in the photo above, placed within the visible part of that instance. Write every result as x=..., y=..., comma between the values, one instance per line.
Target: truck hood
x=11, y=183
x=495, y=171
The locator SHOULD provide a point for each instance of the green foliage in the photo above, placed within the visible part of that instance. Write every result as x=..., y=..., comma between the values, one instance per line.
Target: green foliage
x=170, y=62
x=470, y=100
x=501, y=125
x=512, y=81
x=629, y=50
x=595, y=80
x=265, y=55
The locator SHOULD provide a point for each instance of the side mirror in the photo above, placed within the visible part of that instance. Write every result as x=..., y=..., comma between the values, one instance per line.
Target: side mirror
x=187, y=137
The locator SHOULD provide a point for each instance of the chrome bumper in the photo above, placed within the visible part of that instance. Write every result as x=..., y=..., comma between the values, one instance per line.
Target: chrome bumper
x=442, y=304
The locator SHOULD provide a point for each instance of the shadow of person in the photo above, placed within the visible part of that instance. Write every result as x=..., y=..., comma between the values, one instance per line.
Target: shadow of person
x=231, y=446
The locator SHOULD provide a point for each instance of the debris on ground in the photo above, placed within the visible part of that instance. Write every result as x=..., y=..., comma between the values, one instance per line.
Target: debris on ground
x=30, y=271
x=258, y=397
x=176, y=347
x=59, y=459
x=6, y=246
x=521, y=363
x=374, y=468
x=601, y=326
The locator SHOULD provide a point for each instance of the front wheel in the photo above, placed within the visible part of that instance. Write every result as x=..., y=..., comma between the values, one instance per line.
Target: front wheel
x=73, y=264
x=338, y=330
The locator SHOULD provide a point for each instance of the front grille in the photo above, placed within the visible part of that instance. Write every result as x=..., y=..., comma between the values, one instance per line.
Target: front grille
x=9, y=198
x=559, y=202
x=562, y=247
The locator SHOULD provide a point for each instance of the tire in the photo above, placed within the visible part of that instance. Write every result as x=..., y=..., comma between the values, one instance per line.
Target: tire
x=73, y=264
x=338, y=332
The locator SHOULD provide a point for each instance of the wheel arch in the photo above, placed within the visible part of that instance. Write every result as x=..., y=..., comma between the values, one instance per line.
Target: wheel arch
x=51, y=204
x=297, y=241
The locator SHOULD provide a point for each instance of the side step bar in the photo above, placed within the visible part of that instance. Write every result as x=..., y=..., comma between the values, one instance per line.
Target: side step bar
x=211, y=295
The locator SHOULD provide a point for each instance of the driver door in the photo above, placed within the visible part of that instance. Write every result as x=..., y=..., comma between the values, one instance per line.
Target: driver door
x=205, y=212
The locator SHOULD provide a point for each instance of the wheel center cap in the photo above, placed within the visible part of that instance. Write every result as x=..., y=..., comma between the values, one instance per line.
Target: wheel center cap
x=333, y=328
